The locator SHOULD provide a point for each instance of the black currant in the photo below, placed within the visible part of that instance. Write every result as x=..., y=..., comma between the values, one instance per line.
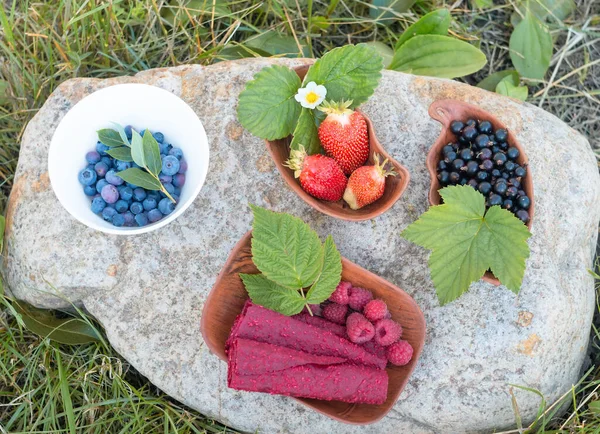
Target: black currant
x=469, y=133
x=471, y=123
x=520, y=172
x=512, y=153
x=500, y=187
x=458, y=163
x=485, y=127
x=496, y=173
x=511, y=192
x=442, y=165
x=472, y=183
x=508, y=204
x=523, y=215
x=485, y=154
x=494, y=199
x=499, y=158
x=443, y=177
x=503, y=146
x=463, y=181
x=487, y=164
x=509, y=166
x=501, y=135
x=472, y=168
x=514, y=182
x=454, y=177
x=483, y=175
x=450, y=157
x=521, y=193
x=466, y=154
x=505, y=175
x=485, y=187
x=524, y=202
x=447, y=148
x=495, y=149
x=456, y=127
x=482, y=141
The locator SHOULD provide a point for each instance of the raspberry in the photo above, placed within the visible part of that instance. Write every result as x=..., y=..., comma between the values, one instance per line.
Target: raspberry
x=375, y=310
x=340, y=295
x=387, y=332
x=316, y=309
x=400, y=353
x=335, y=313
x=359, y=297
x=359, y=329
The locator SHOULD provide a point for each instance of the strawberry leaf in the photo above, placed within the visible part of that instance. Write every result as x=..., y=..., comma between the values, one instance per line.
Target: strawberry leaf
x=271, y=295
x=466, y=241
x=330, y=274
x=307, y=132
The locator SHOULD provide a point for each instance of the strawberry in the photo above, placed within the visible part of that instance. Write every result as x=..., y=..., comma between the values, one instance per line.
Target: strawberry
x=366, y=184
x=344, y=135
x=320, y=176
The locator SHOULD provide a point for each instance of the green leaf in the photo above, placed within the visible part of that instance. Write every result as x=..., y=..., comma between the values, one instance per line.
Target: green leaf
x=484, y=3
x=267, y=293
x=386, y=10
x=508, y=87
x=140, y=178
x=119, y=128
x=43, y=323
x=267, y=107
x=276, y=43
x=151, y=154
x=492, y=80
x=180, y=11
x=234, y=52
x=351, y=71
x=306, y=133
x=434, y=23
x=384, y=51
x=137, y=149
x=111, y=138
x=122, y=153
x=531, y=48
x=437, y=56
x=466, y=241
x=330, y=275
x=285, y=249
x=594, y=407
x=3, y=92
x=543, y=10
x=319, y=24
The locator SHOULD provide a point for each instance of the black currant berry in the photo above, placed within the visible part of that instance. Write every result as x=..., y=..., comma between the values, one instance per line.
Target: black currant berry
x=466, y=154
x=503, y=146
x=520, y=172
x=482, y=175
x=442, y=165
x=509, y=166
x=523, y=215
x=454, y=177
x=505, y=175
x=496, y=173
x=495, y=149
x=469, y=133
x=494, y=199
x=463, y=181
x=501, y=135
x=512, y=153
x=472, y=183
x=514, y=182
x=485, y=187
x=471, y=123
x=499, y=158
x=456, y=127
x=511, y=192
x=485, y=127
x=508, y=204
x=500, y=187
x=443, y=177
x=482, y=141
x=450, y=157
x=487, y=164
x=485, y=154
x=447, y=148
x=472, y=168
x=458, y=163
x=524, y=202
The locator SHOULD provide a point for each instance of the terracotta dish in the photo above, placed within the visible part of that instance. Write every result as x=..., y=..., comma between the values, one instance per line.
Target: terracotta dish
x=447, y=110
x=394, y=185
x=228, y=296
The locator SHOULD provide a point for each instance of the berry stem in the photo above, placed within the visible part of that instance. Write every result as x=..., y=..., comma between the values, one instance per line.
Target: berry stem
x=162, y=187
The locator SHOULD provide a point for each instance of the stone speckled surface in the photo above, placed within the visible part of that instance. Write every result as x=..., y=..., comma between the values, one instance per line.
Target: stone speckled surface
x=148, y=291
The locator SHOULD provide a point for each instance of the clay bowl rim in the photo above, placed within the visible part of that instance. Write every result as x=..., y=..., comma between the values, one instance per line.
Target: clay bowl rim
x=339, y=209
x=218, y=348
x=445, y=111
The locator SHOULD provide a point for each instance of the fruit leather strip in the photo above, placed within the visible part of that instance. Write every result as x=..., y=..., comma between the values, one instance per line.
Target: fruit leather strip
x=263, y=325
x=346, y=382
x=322, y=323
x=247, y=357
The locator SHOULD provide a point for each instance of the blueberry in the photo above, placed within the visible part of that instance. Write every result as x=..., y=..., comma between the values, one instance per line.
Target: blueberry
x=450, y=157
x=110, y=193
x=164, y=148
x=141, y=219
x=118, y=220
x=129, y=218
x=456, y=127
x=101, y=148
x=136, y=208
x=176, y=192
x=139, y=194
x=108, y=161
x=125, y=192
x=179, y=179
x=494, y=199
x=98, y=204
x=487, y=164
x=520, y=172
x=447, y=148
x=485, y=187
x=112, y=178
x=524, y=202
x=485, y=127
x=523, y=215
x=154, y=215
x=469, y=133
x=159, y=137
x=508, y=204
x=443, y=177
x=442, y=165
x=100, y=185
x=101, y=168
x=500, y=187
x=87, y=176
x=149, y=203
x=472, y=168
x=482, y=141
x=499, y=158
x=454, y=177
x=512, y=153
x=501, y=135
x=175, y=197
x=121, y=205
x=154, y=195
x=92, y=157
x=165, y=178
x=482, y=175
x=176, y=152
x=89, y=190
x=169, y=187
x=122, y=165
x=466, y=154
x=128, y=131
x=170, y=165
x=108, y=213
x=132, y=186
x=165, y=206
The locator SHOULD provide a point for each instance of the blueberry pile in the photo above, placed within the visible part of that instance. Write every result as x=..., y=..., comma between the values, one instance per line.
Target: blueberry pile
x=125, y=204
x=482, y=158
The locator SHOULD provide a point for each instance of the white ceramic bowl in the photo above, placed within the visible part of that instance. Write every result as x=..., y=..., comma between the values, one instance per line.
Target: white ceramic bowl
x=141, y=106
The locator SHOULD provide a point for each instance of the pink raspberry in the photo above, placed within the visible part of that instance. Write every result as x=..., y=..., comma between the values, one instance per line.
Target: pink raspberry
x=316, y=309
x=375, y=310
x=359, y=329
x=340, y=295
x=387, y=332
x=359, y=297
x=399, y=353
x=335, y=313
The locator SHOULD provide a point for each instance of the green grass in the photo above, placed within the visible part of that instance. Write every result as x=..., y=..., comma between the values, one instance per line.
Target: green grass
x=47, y=387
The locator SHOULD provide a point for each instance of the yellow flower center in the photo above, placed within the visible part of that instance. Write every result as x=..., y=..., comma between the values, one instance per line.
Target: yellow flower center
x=312, y=97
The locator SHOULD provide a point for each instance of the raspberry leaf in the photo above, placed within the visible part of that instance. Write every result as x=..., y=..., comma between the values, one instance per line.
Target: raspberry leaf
x=140, y=178
x=330, y=275
x=122, y=153
x=466, y=241
x=348, y=72
x=306, y=133
x=285, y=249
x=111, y=138
x=151, y=153
x=273, y=296
x=267, y=107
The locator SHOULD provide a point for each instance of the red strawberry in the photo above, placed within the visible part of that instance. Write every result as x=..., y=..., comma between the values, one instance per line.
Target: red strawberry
x=320, y=176
x=366, y=184
x=344, y=135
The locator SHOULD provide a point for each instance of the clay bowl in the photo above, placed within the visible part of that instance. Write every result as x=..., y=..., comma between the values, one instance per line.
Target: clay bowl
x=394, y=185
x=228, y=296
x=447, y=110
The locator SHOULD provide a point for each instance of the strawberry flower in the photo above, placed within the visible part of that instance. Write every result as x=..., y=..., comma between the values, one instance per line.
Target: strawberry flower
x=312, y=95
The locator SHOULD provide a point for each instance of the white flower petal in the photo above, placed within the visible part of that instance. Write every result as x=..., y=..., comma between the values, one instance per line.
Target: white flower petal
x=311, y=86
x=321, y=90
